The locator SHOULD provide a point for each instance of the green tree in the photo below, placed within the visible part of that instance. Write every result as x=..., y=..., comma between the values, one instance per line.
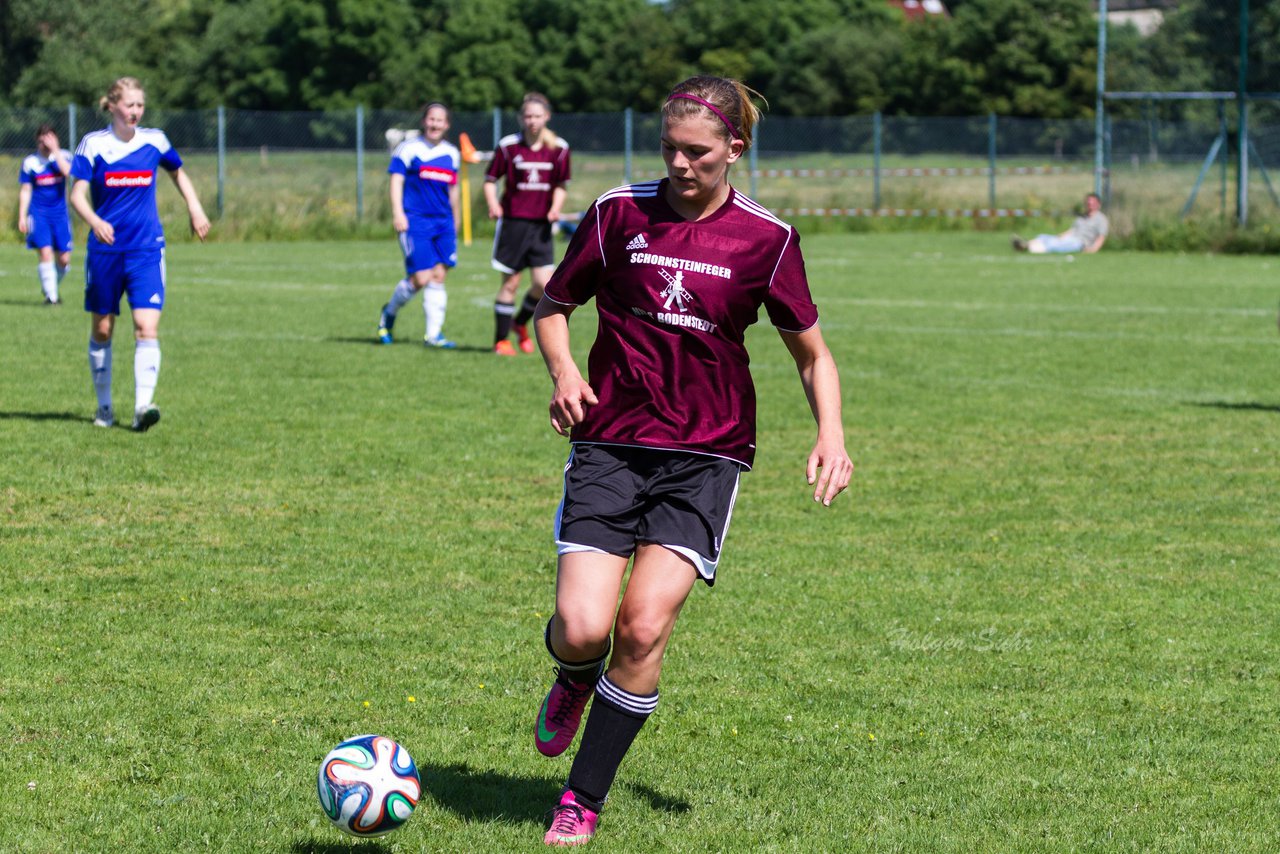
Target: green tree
x=73, y=50
x=838, y=71
x=1011, y=57
x=485, y=55
x=748, y=38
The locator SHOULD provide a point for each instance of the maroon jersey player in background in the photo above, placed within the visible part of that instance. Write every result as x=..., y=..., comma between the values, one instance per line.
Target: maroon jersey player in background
x=664, y=422
x=534, y=168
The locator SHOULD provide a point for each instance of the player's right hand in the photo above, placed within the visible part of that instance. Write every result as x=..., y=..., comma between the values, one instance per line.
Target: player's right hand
x=22, y=225
x=400, y=223
x=569, y=404
x=105, y=232
x=495, y=211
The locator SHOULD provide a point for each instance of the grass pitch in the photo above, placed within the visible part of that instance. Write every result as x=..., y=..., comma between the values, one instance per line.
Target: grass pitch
x=1043, y=618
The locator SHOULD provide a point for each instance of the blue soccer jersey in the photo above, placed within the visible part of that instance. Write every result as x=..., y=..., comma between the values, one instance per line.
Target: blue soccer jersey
x=429, y=172
x=122, y=177
x=48, y=185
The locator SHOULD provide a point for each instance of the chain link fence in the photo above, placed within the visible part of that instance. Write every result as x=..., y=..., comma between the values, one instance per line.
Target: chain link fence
x=276, y=175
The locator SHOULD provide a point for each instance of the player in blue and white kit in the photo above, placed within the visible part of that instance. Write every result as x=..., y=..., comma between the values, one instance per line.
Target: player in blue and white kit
x=126, y=243
x=424, y=213
x=42, y=210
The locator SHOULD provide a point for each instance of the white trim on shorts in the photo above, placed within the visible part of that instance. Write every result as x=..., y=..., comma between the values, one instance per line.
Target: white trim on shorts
x=562, y=547
x=493, y=255
x=705, y=567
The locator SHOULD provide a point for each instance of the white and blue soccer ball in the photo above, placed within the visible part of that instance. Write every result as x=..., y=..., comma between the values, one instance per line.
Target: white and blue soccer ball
x=368, y=785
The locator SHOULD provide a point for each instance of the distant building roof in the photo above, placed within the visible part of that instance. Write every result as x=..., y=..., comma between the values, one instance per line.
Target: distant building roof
x=917, y=9
x=1146, y=15
x=1137, y=5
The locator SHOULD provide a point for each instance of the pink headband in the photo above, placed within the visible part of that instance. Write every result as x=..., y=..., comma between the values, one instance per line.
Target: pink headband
x=733, y=131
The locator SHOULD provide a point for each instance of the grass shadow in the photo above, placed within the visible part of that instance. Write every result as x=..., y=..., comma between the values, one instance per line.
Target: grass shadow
x=494, y=797
x=364, y=846
x=461, y=348
x=487, y=795
x=26, y=303
x=1247, y=406
x=43, y=416
x=658, y=801
x=364, y=339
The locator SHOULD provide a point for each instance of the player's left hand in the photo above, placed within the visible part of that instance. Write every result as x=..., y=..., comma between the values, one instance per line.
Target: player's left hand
x=829, y=470
x=199, y=225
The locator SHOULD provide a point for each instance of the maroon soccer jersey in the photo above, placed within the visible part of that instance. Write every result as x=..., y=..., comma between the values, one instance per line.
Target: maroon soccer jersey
x=675, y=298
x=530, y=175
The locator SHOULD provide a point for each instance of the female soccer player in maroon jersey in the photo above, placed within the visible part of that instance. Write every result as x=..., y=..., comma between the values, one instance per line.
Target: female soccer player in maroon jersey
x=534, y=168
x=664, y=422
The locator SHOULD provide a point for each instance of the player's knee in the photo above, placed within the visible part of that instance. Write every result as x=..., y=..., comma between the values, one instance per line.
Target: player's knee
x=640, y=637
x=581, y=635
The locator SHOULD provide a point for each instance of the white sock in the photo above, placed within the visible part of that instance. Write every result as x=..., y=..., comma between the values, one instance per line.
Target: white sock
x=100, y=370
x=434, y=302
x=146, y=369
x=48, y=280
x=401, y=295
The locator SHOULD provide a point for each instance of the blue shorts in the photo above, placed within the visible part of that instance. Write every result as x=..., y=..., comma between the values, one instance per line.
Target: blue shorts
x=428, y=243
x=45, y=231
x=110, y=275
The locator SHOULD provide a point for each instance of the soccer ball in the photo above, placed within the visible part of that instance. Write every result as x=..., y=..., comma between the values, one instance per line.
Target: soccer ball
x=368, y=785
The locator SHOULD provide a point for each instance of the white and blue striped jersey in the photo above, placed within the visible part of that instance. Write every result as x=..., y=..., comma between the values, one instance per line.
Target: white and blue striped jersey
x=429, y=172
x=122, y=178
x=48, y=184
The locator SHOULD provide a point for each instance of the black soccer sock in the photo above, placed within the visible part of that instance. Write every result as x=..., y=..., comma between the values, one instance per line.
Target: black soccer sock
x=578, y=671
x=502, y=312
x=527, y=308
x=614, y=722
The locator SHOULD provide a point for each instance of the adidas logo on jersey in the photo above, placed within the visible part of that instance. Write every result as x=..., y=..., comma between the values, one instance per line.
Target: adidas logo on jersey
x=155, y=299
x=638, y=242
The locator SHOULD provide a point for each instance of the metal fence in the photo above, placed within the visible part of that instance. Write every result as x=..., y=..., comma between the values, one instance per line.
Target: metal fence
x=267, y=174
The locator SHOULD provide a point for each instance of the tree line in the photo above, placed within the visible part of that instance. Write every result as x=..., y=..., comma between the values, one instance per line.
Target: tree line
x=1034, y=58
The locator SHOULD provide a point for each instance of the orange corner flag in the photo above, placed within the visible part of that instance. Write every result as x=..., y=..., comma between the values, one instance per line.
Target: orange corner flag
x=467, y=150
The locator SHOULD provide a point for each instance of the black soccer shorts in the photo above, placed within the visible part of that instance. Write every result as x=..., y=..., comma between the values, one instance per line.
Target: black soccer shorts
x=523, y=243
x=618, y=496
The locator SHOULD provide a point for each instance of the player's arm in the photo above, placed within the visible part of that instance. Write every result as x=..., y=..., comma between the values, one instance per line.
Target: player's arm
x=199, y=222
x=399, y=221
x=1096, y=245
x=102, y=229
x=63, y=159
x=455, y=203
x=571, y=394
x=491, y=198
x=829, y=468
x=24, y=206
x=558, y=194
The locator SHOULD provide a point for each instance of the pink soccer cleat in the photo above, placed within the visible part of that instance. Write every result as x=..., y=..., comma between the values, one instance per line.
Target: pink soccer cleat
x=571, y=822
x=560, y=714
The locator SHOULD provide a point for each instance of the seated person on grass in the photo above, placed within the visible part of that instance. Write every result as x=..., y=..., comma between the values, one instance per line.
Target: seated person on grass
x=1087, y=233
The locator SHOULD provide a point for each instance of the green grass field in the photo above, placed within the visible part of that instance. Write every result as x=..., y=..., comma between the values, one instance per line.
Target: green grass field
x=1042, y=619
